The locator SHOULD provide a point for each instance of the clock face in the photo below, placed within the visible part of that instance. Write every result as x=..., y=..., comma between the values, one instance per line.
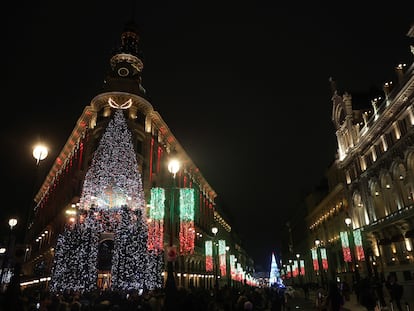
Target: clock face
x=123, y=72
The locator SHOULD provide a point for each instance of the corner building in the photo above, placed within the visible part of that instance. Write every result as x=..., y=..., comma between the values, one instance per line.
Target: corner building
x=58, y=199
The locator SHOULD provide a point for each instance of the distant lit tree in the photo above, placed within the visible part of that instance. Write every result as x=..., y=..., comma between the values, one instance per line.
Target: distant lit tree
x=274, y=279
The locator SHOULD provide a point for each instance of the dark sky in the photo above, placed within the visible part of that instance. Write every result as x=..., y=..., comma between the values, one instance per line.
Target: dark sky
x=243, y=87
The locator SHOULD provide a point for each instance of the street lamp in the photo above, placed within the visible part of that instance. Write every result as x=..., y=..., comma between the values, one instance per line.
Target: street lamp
x=170, y=286
x=214, y=230
x=318, y=243
x=299, y=272
x=348, y=222
x=228, y=268
x=12, y=223
x=40, y=153
x=291, y=272
x=8, y=252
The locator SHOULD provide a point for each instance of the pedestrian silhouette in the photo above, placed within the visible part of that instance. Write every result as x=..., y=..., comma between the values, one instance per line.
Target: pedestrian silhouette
x=395, y=290
x=334, y=299
x=367, y=296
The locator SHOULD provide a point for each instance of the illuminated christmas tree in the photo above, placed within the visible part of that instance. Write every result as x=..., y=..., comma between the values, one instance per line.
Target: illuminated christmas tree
x=111, y=208
x=274, y=279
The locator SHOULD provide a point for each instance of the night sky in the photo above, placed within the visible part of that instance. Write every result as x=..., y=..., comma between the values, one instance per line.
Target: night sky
x=243, y=87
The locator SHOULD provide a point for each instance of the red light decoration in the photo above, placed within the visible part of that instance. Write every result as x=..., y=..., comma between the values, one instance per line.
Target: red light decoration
x=209, y=256
x=156, y=220
x=324, y=258
x=187, y=229
x=315, y=259
x=187, y=237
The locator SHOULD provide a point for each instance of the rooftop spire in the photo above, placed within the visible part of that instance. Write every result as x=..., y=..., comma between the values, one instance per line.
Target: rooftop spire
x=126, y=63
x=130, y=40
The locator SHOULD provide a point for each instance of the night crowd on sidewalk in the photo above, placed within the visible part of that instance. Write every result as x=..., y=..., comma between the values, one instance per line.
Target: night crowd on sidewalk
x=227, y=298
x=372, y=294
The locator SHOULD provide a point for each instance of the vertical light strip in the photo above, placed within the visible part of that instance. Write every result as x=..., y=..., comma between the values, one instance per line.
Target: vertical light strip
x=314, y=252
x=302, y=267
x=156, y=220
x=209, y=256
x=233, y=267
x=346, y=250
x=187, y=229
x=222, y=257
x=324, y=258
x=358, y=245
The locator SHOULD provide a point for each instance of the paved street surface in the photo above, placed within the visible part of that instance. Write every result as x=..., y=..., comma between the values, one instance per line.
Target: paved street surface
x=300, y=303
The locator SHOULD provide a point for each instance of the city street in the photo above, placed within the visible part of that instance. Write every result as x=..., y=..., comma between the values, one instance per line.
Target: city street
x=300, y=303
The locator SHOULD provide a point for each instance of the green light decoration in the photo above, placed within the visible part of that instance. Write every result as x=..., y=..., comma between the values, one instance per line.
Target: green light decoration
x=187, y=229
x=324, y=258
x=302, y=267
x=209, y=256
x=222, y=256
x=346, y=250
x=156, y=220
x=222, y=247
x=358, y=245
x=315, y=262
x=187, y=204
x=233, y=270
x=157, y=204
x=209, y=248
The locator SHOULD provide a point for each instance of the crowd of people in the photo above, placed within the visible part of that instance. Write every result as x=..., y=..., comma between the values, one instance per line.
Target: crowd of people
x=370, y=293
x=225, y=298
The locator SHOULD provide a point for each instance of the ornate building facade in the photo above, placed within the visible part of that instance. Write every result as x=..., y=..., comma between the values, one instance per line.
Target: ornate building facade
x=371, y=184
x=58, y=200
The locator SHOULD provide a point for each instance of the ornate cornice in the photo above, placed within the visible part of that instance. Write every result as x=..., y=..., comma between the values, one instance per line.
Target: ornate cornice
x=380, y=125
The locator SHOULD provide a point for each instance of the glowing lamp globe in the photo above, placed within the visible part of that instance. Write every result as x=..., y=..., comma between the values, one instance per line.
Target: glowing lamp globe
x=40, y=153
x=12, y=222
x=173, y=166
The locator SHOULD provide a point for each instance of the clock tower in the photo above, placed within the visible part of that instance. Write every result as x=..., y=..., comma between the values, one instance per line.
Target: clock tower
x=126, y=64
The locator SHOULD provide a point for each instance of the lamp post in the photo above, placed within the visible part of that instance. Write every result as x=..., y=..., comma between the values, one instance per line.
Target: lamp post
x=292, y=282
x=299, y=270
x=40, y=152
x=318, y=243
x=214, y=230
x=228, y=268
x=348, y=222
x=8, y=252
x=170, y=286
